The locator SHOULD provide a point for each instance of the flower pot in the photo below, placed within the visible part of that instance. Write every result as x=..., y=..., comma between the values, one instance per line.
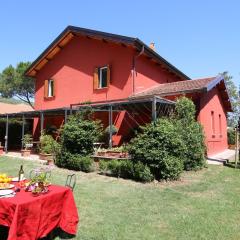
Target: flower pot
x=232, y=146
x=25, y=152
x=1, y=150
x=101, y=153
x=46, y=156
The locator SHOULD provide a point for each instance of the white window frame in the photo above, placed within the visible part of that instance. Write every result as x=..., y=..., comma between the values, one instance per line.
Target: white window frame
x=50, y=87
x=100, y=76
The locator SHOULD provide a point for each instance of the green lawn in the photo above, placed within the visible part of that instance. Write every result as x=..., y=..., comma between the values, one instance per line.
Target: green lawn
x=203, y=205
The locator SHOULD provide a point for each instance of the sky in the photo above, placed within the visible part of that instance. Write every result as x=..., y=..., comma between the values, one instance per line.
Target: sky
x=201, y=38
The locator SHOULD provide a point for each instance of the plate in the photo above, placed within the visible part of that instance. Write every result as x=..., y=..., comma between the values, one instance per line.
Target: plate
x=10, y=186
x=15, y=179
x=6, y=192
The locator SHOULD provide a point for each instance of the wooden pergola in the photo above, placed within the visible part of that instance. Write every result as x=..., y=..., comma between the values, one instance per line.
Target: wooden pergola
x=153, y=103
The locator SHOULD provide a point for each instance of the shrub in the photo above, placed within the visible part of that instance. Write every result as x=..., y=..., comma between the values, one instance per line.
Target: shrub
x=126, y=169
x=79, y=134
x=157, y=142
x=231, y=136
x=115, y=167
x=191, y=133
x=48, y=145
x=142, y=173
x=75, y=162
x=171, y=168
x=77, y=138
x=27, y=141
x=103, y=166
x=185, y=110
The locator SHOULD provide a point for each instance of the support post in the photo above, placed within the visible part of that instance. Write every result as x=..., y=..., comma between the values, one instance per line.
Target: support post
x=65, y=115
x=41, y=122
x=154, y=109
x=110, y=126
x=237, y=147
x=6, y=136
x=23, y=129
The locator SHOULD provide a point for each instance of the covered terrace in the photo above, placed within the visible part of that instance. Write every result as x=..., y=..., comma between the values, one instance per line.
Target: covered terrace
x=139, y=111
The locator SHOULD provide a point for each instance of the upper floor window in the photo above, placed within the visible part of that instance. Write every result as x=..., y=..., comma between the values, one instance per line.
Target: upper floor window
x=102, y=74
x=49, y=88
x=101, y=77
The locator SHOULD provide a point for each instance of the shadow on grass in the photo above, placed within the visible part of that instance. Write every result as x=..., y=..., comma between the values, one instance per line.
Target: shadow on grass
x=58, y=233
x=3, y=232
x=232, y=165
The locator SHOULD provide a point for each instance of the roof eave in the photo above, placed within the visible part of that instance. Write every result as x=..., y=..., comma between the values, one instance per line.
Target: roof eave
x=135, y=42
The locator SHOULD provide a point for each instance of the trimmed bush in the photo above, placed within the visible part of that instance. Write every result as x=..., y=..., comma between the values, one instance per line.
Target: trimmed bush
x=171, y=168
x=126, y=169
x=157, y=143
x=77, y=138
x=79, y=134
x=191, y=133
x=231, y=136
x=75, y=162
x=142, y=173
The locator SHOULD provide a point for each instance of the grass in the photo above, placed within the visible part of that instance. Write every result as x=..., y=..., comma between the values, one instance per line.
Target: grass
x=203, y=205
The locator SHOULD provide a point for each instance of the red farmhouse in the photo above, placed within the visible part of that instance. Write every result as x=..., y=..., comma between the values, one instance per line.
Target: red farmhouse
x=108, y=70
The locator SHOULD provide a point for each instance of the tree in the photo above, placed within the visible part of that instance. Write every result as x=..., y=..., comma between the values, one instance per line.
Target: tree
x=13, y=83
x=234, y=98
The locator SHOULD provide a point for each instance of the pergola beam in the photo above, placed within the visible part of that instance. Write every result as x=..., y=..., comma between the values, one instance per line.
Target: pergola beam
x=110, y=126
x=41, y=122
x=23, y=129
x=154, y=109
x=6, y=135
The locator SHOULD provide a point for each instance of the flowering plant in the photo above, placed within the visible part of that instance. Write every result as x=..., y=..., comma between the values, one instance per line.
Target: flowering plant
x=39, y=182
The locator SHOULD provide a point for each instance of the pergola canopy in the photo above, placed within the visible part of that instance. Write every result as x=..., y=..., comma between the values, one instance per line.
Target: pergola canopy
x=155, y=105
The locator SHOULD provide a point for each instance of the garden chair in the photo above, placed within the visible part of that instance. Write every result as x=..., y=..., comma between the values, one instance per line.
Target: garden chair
x=71, y=181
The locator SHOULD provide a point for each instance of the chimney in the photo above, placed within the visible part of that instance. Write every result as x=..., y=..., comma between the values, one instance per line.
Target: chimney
x=152, y=46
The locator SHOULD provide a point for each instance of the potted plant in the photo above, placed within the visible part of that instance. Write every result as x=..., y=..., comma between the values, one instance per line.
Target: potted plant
x=114, y=130
x=27, y=145
x=48, y=148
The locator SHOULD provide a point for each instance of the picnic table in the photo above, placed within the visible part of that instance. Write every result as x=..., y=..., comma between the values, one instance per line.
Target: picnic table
x=29, y=217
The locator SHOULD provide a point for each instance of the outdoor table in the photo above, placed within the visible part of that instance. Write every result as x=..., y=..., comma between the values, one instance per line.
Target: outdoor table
x=31, y=217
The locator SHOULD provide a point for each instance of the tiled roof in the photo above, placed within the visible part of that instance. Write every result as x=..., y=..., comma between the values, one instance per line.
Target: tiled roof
x=176, y=87
x=14, y=108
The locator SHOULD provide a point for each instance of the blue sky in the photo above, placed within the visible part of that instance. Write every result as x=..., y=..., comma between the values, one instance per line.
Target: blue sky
x=201, y=38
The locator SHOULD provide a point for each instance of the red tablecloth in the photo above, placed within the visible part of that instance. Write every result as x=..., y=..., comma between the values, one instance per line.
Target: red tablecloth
x=30, y=217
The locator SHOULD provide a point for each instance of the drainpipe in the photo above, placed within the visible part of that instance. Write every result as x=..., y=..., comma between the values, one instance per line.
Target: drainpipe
x=134, y=68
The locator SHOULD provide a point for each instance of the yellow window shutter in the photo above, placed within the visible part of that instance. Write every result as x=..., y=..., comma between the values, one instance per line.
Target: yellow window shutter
x=46, y=88
x=95, y=79
x=108, y=75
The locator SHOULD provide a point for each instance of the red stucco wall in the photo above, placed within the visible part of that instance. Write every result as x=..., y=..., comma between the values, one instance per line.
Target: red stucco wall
x=216, y=141
x=72, y=69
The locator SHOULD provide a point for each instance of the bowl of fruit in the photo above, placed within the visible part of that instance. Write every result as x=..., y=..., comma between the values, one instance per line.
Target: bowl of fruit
x=5, y=181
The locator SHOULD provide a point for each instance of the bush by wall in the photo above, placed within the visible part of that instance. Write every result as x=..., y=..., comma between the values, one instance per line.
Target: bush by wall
x=191, y=133
x=158, y=142
x=169, y=145
x=76, y=162
x=231, y=136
